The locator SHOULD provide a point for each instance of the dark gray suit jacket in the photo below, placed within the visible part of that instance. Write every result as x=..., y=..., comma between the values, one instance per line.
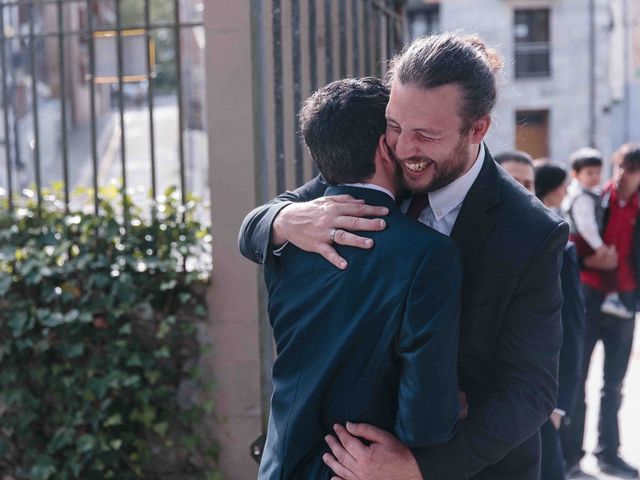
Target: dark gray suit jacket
x=375, y=343
x=510, y=332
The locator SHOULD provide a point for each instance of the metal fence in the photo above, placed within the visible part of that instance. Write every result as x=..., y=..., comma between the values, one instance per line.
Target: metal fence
x=98, y=89
x=300, y=45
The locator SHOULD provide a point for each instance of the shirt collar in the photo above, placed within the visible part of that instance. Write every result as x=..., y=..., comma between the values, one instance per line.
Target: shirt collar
x=448, y=198
x=372, y=186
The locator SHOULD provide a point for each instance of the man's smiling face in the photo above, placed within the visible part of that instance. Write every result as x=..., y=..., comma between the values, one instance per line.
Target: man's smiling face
x=424, y=133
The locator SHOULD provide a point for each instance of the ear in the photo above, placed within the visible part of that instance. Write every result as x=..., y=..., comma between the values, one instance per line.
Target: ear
x=383, y=156
x=479, y=129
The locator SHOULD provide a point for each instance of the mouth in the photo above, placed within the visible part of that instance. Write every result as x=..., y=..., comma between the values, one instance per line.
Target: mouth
x=417, y=166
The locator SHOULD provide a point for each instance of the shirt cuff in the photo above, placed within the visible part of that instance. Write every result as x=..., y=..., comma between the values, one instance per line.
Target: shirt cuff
x=278, y=251
x=560, y=412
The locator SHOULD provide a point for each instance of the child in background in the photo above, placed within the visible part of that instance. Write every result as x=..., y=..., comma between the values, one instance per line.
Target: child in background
x=585, y=214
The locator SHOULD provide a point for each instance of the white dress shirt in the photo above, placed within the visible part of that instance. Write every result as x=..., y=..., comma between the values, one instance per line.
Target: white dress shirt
x=444, y=204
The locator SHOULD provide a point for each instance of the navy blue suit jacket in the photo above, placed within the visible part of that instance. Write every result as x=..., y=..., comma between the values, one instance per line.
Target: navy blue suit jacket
x=374, y=343
x=510, y=332
x=573, y=309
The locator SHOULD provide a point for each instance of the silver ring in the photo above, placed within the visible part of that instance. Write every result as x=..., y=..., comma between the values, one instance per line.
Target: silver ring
x=332, y=235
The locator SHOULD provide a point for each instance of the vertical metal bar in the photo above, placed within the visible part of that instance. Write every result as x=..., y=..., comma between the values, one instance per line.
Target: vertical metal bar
x=328, y=40
x=313, y=45
x=178, y=47
x=297, y=87
x=261, y=158
x=367, y=38
x=388, y=23
x=313, y=55
x=627, y=20
x=34, y=104
x=592, y=74
x=150, y=100
x=278, y=95
x=5, y=107
x=92, y=102
x=63, y=106
x=355, y=30
x=342, y=13
x=377, y=38
x=123, y=139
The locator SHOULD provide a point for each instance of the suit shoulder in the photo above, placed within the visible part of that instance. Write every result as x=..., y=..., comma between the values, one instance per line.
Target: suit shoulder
x=523, y=208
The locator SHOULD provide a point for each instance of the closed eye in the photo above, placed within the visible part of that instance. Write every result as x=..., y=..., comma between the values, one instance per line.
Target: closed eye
x=426, y=138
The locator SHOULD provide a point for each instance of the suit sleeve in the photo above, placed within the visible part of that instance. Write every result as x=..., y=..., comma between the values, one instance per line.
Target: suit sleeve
x=255, y=233
x=573, y=310
x=524, y=391
x=428, y=405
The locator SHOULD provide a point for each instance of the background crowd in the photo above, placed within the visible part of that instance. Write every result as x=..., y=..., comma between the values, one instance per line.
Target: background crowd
x=600, y=273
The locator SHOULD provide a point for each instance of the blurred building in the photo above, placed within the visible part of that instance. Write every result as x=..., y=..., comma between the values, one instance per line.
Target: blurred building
x=571, y=75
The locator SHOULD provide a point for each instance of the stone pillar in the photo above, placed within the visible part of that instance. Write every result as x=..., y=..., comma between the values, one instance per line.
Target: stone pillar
x=233, y=362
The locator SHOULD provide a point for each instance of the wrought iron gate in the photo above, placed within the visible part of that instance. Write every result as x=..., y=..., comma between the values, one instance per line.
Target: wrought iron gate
x=79, y=76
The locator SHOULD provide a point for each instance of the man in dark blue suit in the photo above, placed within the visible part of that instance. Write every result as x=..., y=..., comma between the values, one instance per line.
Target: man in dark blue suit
x=443, y=89
x=376, y=342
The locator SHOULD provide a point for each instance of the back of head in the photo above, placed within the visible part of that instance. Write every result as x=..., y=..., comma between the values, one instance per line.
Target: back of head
x=585, y=157
x=549, y=177
x=341, y=124
x=452, y=58
x=517, y=156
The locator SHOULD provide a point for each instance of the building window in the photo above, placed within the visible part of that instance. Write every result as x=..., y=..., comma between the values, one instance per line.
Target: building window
x=423, y=19
x=532, y=45
x=532, y=132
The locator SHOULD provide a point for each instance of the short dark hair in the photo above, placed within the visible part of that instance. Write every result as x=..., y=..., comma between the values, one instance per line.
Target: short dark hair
x=629, y=156
x=548, y=178
x=341, y=124
x=452, y=58
x=585, y=157
x=517, y=156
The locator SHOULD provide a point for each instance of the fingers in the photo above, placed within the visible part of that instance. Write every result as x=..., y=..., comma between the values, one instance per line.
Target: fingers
x=355, y=224
x=346, y=238
x=351, y=444
x=352, y=209
x=343, y=472
x=340, y=452
x=370, y=433
x=330, y=254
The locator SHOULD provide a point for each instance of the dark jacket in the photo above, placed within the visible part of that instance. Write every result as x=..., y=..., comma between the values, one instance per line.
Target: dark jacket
x=510, y=333
x=375, y=343
x=573, y=310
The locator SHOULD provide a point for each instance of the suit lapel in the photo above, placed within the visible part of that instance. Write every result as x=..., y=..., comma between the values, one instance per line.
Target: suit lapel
x=477, y=214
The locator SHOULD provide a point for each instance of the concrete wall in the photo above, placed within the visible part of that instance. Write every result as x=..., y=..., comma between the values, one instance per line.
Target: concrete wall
x=233, y=362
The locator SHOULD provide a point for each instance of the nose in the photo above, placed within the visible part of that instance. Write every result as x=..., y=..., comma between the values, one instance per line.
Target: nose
x=404, y=146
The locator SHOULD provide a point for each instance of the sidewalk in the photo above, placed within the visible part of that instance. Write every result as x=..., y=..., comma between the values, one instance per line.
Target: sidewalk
x=629, y=414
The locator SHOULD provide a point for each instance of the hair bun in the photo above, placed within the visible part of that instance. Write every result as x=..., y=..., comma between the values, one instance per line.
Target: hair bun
x=491, y=55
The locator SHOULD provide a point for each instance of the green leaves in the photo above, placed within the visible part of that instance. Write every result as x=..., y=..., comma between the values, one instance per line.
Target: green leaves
x=97, y=334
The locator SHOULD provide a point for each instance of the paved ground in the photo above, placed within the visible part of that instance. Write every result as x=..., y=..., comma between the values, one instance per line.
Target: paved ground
x=629, y=415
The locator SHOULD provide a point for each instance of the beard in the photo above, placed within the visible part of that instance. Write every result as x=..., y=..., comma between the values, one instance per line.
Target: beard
x=444, y=172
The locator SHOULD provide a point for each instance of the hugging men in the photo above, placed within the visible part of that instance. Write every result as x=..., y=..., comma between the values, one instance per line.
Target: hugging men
x=377, y=342
x=443, y=89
